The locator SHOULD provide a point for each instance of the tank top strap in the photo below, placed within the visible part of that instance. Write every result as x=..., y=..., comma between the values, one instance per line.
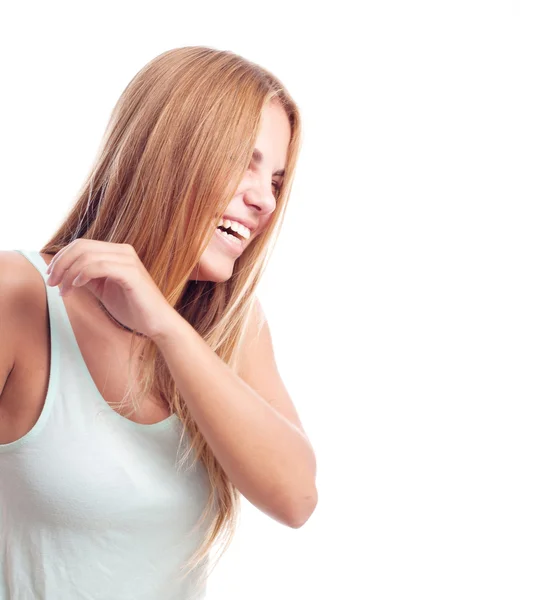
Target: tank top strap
x=55, y=305
x=78, y=394
x=61, y=327
x=68, y=359
x=72, y=400
x=56, y=308
x=56, y=323
x=34, y=257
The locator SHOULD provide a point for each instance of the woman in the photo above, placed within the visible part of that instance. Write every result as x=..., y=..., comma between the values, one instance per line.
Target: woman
x=155, y=354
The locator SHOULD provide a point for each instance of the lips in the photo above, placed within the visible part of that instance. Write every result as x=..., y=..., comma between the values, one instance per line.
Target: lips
x=235, y=248
x=245, y=222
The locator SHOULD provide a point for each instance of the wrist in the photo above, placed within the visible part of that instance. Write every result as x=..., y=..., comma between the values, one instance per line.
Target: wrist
x=167, y=327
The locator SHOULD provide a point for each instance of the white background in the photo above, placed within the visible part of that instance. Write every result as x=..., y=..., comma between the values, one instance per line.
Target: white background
x=412, y=297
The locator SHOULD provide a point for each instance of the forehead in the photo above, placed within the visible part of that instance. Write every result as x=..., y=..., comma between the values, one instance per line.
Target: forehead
x=274, y=135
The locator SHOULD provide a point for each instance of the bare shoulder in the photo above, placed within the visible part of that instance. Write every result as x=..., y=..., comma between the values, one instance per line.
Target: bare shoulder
x=18, y=280
x=258, y=367
x=20, y=285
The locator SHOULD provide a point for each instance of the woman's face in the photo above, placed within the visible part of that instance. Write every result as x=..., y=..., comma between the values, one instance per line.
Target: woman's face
x=255, y=198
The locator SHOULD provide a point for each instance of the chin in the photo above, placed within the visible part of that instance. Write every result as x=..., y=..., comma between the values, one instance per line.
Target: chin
x=213, y=267
x=215, y=264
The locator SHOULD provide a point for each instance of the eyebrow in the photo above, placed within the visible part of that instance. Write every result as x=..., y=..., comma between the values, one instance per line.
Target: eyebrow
x=258, y=159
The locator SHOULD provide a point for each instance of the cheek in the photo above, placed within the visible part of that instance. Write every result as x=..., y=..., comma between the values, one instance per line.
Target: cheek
x=264, y=225
x=263, y=228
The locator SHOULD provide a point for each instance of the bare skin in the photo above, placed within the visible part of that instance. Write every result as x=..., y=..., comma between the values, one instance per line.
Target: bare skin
x=104, y=346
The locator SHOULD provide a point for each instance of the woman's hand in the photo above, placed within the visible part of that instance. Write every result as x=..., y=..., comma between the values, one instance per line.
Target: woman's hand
x=115, y=274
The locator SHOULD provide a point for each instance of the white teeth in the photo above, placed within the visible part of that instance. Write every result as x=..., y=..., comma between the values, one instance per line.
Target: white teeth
x=229, y=236
x=235, y=226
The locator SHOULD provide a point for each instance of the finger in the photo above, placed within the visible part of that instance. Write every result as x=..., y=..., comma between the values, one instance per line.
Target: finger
x=79, y=267
x=57, y=256
x=64, y=257
x=103, y=265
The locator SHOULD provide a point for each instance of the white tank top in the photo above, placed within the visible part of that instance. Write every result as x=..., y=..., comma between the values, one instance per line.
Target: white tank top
x=92, y=504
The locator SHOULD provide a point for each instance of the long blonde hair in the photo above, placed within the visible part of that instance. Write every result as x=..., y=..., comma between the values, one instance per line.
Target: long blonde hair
x=179, y=140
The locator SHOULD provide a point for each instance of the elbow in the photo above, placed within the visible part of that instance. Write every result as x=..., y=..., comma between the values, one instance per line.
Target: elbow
x=303, y=510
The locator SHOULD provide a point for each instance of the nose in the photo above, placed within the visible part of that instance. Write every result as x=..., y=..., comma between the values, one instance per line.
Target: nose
x=261, y=195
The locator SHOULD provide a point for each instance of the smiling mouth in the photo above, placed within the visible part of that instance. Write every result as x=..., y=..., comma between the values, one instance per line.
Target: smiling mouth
x=231, y=232
x=236, y=244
